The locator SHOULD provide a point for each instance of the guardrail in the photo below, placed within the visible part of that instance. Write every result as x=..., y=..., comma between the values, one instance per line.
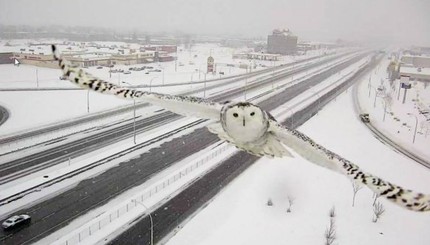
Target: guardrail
x=90, y=229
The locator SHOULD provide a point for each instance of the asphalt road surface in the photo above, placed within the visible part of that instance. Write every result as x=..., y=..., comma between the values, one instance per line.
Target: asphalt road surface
x=99, y=116
x=169, y=216
x=29, y=164
x=50, y=215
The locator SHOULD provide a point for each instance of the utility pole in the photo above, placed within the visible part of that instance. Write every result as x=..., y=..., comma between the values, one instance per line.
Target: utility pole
x=37, y=77
x=398, y=94
x=416, y=125
x=88, y=101
x=176, y=60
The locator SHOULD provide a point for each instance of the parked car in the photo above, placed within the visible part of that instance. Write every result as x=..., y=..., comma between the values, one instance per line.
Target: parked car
x=63, y=77
x=365, y=117
x=15, y=221
x=127, y=72
x=99, y=67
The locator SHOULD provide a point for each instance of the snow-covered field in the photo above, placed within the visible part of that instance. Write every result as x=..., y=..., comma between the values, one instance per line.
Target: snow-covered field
x=240, y=214
x=37, y=108
x=398, y=125
x=21, y=184
x=81, y=226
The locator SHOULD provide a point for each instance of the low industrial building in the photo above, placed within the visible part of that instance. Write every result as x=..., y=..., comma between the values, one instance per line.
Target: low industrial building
x=92, y=57
x=414, y=73
x=416, y=61
x=161, y=48
x=42, y=60
x=257, y=56
x=6, y=58
x=415, y=67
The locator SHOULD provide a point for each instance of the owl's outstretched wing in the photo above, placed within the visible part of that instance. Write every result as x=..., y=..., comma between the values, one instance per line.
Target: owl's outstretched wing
x=183, y=105
x=319, y=155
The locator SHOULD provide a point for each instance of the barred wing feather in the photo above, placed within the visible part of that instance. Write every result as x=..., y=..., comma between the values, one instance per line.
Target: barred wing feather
x=183, y=105
x=323, y=157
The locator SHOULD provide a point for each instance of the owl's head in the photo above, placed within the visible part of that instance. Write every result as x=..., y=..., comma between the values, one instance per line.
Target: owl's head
x=244, y=122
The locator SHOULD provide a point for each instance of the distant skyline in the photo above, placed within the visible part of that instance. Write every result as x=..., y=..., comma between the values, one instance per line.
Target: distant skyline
x=389, y=21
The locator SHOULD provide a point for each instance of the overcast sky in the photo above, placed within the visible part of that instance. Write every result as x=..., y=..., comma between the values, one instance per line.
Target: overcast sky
x=398, y=21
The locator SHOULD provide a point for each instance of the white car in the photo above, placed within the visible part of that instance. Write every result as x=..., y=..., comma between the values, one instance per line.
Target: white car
x=16, y=220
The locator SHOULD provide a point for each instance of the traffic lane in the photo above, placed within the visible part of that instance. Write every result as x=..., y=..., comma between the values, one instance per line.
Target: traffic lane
x=180, y=207
x=80, y=146
x=62, y=153
x=112, y=191
x=57, y=212
x=168, y=217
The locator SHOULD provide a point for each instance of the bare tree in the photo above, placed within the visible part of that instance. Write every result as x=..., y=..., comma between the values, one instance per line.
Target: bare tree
x=330, y=233
x=355, y=187
x=332, y=212
x=290, y=203
x=378, y=210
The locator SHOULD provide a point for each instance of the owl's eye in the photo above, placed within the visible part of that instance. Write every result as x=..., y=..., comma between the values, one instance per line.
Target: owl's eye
x=252, y=113
x=235, y=114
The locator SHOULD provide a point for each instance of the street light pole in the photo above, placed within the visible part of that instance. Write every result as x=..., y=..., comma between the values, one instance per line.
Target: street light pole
x=416, y=124
x=37, y=77
x=368, y=84
x=150, y=217
x=246, y=84
x=385, y=109
x=134, y=121
x=176, y=60
x=150, y=83
x=134, y=117
x=204, y=91
x=88, y=101
x=374, y=101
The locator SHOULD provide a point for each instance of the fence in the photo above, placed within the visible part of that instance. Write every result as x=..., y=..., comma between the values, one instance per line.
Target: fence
x=108, y=218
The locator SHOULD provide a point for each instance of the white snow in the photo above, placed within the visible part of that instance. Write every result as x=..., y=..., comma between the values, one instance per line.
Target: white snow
x=118, y=213
x=30, y=109
x=239, y=215
x=401, y=130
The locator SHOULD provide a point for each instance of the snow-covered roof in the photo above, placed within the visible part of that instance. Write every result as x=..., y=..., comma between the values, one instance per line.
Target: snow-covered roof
x=285, y=32
x=416, y=72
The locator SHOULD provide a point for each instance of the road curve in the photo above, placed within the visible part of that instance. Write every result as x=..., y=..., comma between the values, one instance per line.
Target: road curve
x=171, y=215
x=384, y=138
x=50, y=215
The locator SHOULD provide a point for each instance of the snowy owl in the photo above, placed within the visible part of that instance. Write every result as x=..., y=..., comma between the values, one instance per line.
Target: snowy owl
x=252, y=129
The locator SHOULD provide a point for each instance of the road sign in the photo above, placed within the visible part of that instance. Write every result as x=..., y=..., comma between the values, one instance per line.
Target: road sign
x=406, y=86
x=16, y=62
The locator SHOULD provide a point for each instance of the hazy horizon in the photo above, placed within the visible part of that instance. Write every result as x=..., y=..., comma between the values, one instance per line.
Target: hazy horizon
x=389, y=21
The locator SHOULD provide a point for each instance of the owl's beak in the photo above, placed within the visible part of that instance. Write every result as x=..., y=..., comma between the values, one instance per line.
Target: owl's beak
x=244, y=121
